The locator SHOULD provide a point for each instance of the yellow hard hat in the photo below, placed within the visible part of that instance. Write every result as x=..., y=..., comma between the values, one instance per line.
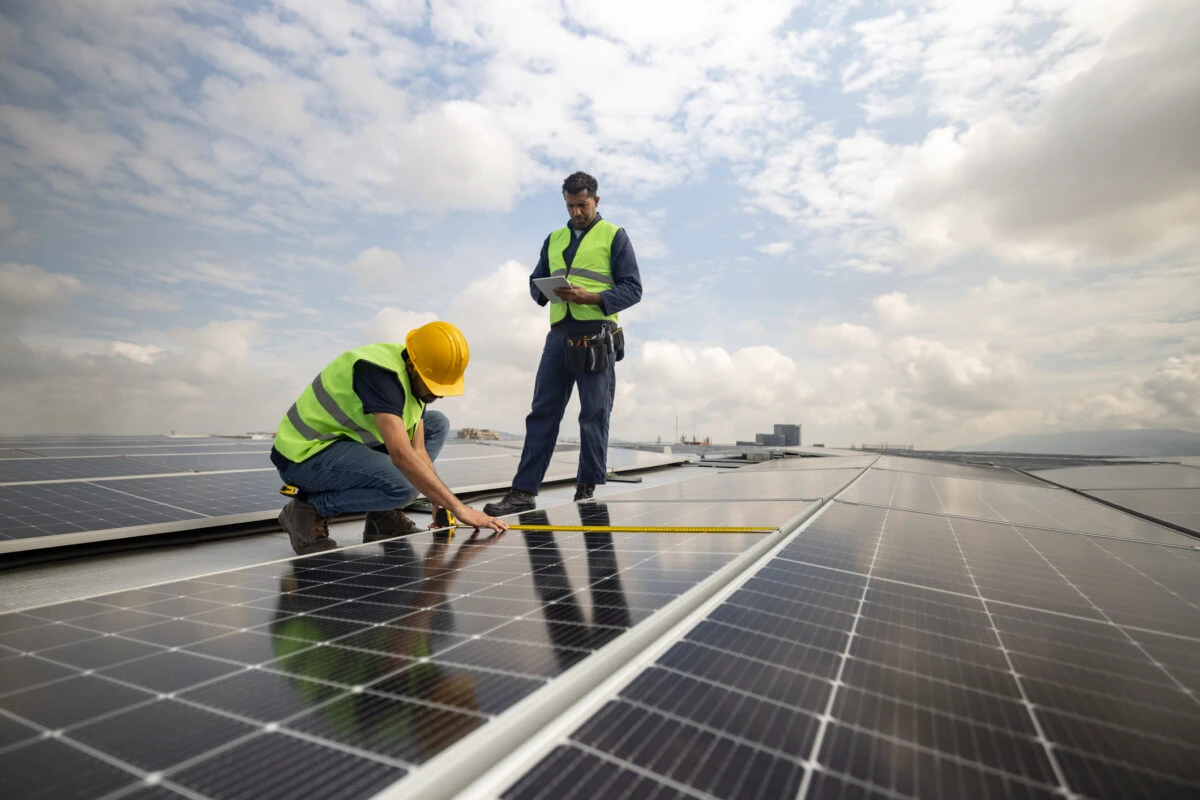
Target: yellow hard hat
x=439, y=352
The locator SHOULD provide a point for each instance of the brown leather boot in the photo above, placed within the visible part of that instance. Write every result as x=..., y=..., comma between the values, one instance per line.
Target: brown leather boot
x=307, y=529
x=387, y=525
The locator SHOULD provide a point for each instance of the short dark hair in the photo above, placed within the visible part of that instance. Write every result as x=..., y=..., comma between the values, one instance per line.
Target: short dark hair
x=579, y=182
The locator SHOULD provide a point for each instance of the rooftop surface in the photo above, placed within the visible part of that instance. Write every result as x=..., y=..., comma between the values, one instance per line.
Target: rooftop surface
x=887, y=627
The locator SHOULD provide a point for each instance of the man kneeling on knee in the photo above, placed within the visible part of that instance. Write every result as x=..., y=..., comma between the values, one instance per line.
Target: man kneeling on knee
x=360, y=438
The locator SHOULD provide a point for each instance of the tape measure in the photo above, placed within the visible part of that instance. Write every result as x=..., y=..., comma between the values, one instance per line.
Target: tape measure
x=636, y=529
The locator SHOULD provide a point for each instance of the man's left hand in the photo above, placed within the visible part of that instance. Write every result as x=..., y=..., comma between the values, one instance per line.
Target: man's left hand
x=580, y=297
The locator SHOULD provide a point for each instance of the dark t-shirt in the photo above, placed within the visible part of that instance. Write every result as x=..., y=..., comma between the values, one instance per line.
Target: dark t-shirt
x=379, y=390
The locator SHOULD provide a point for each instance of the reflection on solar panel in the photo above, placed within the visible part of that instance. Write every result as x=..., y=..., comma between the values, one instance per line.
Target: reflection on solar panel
x=961, y=647
x=926, y=467
x=1168, y=492
x=1131, y=476
x=743, y=485
x=911, y=655
x=1038, y=506
x=330, y=675
x=96, y=493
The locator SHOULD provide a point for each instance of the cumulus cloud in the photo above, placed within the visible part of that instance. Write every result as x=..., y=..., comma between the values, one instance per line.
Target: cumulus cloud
x=845, y=335
x=28, y=290
x=776, y=248
x=1106, y=166
x=894, y=308
x=376, y=267
x=392, y=324
x=1176, y=386
x=958, y=379
x=141, y=353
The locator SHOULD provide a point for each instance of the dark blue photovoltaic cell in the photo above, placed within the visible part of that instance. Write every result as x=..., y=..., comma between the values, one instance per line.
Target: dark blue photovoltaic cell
x=330, y=675
x=921, y=636
x=1038, y=506
x=57, y=469
x=210, y=462
x=36, y=510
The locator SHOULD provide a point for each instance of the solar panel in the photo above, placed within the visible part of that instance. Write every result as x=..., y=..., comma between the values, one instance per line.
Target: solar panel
x=38, y=510
x=9, y=453
x=1038, y=506
x=929, y=467
x=1180, y=507
x=885, y=653
x=37, y=513
x=751, y=486
x=1125, y=476
x=822, y=463
x=209, y=462
x=30, y=470
x=330, y=675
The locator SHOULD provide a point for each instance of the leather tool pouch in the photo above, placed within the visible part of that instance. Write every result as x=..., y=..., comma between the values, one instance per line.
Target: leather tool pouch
x=590, y=346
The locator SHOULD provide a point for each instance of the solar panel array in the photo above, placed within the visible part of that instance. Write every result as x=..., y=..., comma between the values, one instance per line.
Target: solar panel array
x=1169, y=492
x=920, y=635
x=888, y=653
x=329, y=675
x=57, y=491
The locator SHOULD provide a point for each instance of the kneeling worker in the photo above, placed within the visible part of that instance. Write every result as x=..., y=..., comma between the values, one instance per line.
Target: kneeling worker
x=360, y=439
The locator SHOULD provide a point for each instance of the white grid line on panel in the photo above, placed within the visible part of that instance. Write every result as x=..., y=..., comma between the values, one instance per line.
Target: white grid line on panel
x=812, y=763
x=1009, y=604
x=95, y=479
x=1042, y=739
x=1161, y=585
x=1122, y=628
x=1180, y=546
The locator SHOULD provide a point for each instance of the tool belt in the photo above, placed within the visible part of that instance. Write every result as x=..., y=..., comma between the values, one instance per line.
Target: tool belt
x=592, y=346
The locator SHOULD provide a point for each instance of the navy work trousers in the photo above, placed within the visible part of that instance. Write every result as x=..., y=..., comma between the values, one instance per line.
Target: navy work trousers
x=551, y=392
x=348, y=476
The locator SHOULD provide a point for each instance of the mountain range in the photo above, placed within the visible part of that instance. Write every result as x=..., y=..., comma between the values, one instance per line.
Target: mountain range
x=1138, y=443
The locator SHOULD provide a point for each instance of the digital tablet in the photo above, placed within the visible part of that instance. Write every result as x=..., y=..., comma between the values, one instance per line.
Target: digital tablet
x=547, y=286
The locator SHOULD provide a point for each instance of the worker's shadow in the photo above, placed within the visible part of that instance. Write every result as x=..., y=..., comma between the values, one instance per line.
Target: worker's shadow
x=570, y=633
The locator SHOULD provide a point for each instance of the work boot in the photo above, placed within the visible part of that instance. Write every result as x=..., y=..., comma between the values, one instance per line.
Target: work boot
x=387, y=525
x=307, y=529
x=516, y=500
x=584, y=491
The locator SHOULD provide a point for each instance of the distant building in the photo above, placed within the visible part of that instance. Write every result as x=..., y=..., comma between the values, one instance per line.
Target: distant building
x=480, y=434
x=784, y=436
x=790, y=434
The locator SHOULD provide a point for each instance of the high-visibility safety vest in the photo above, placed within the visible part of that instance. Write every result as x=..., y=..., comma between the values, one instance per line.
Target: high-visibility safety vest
x=329, y=409
x=591, y=269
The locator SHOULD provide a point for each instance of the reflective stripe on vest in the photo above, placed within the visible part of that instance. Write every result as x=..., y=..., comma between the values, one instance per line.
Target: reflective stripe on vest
x=329, y=409
x=591, y=269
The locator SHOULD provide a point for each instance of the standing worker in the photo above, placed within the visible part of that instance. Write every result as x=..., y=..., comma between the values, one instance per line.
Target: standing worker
x=360, y=439
x=597, y=259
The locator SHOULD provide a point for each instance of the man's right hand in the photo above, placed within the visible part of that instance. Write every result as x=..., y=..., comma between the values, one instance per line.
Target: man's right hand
x=477, y=519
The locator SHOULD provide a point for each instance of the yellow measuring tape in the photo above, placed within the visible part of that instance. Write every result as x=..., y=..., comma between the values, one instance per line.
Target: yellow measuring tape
x=634, y=529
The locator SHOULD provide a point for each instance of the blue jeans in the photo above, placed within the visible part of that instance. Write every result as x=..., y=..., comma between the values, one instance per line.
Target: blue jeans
x=551, y=392
x=348, y=476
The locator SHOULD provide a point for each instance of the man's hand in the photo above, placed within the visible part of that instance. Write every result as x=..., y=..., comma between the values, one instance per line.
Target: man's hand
x=477, y=519
x=580, y=297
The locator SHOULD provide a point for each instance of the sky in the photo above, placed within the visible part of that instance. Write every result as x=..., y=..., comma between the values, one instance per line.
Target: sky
x=929, y=223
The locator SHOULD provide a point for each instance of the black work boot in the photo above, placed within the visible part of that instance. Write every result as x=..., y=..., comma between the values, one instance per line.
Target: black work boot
x=387, y=525
x=584, y=491
x=516, y=500
x=307, y=529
